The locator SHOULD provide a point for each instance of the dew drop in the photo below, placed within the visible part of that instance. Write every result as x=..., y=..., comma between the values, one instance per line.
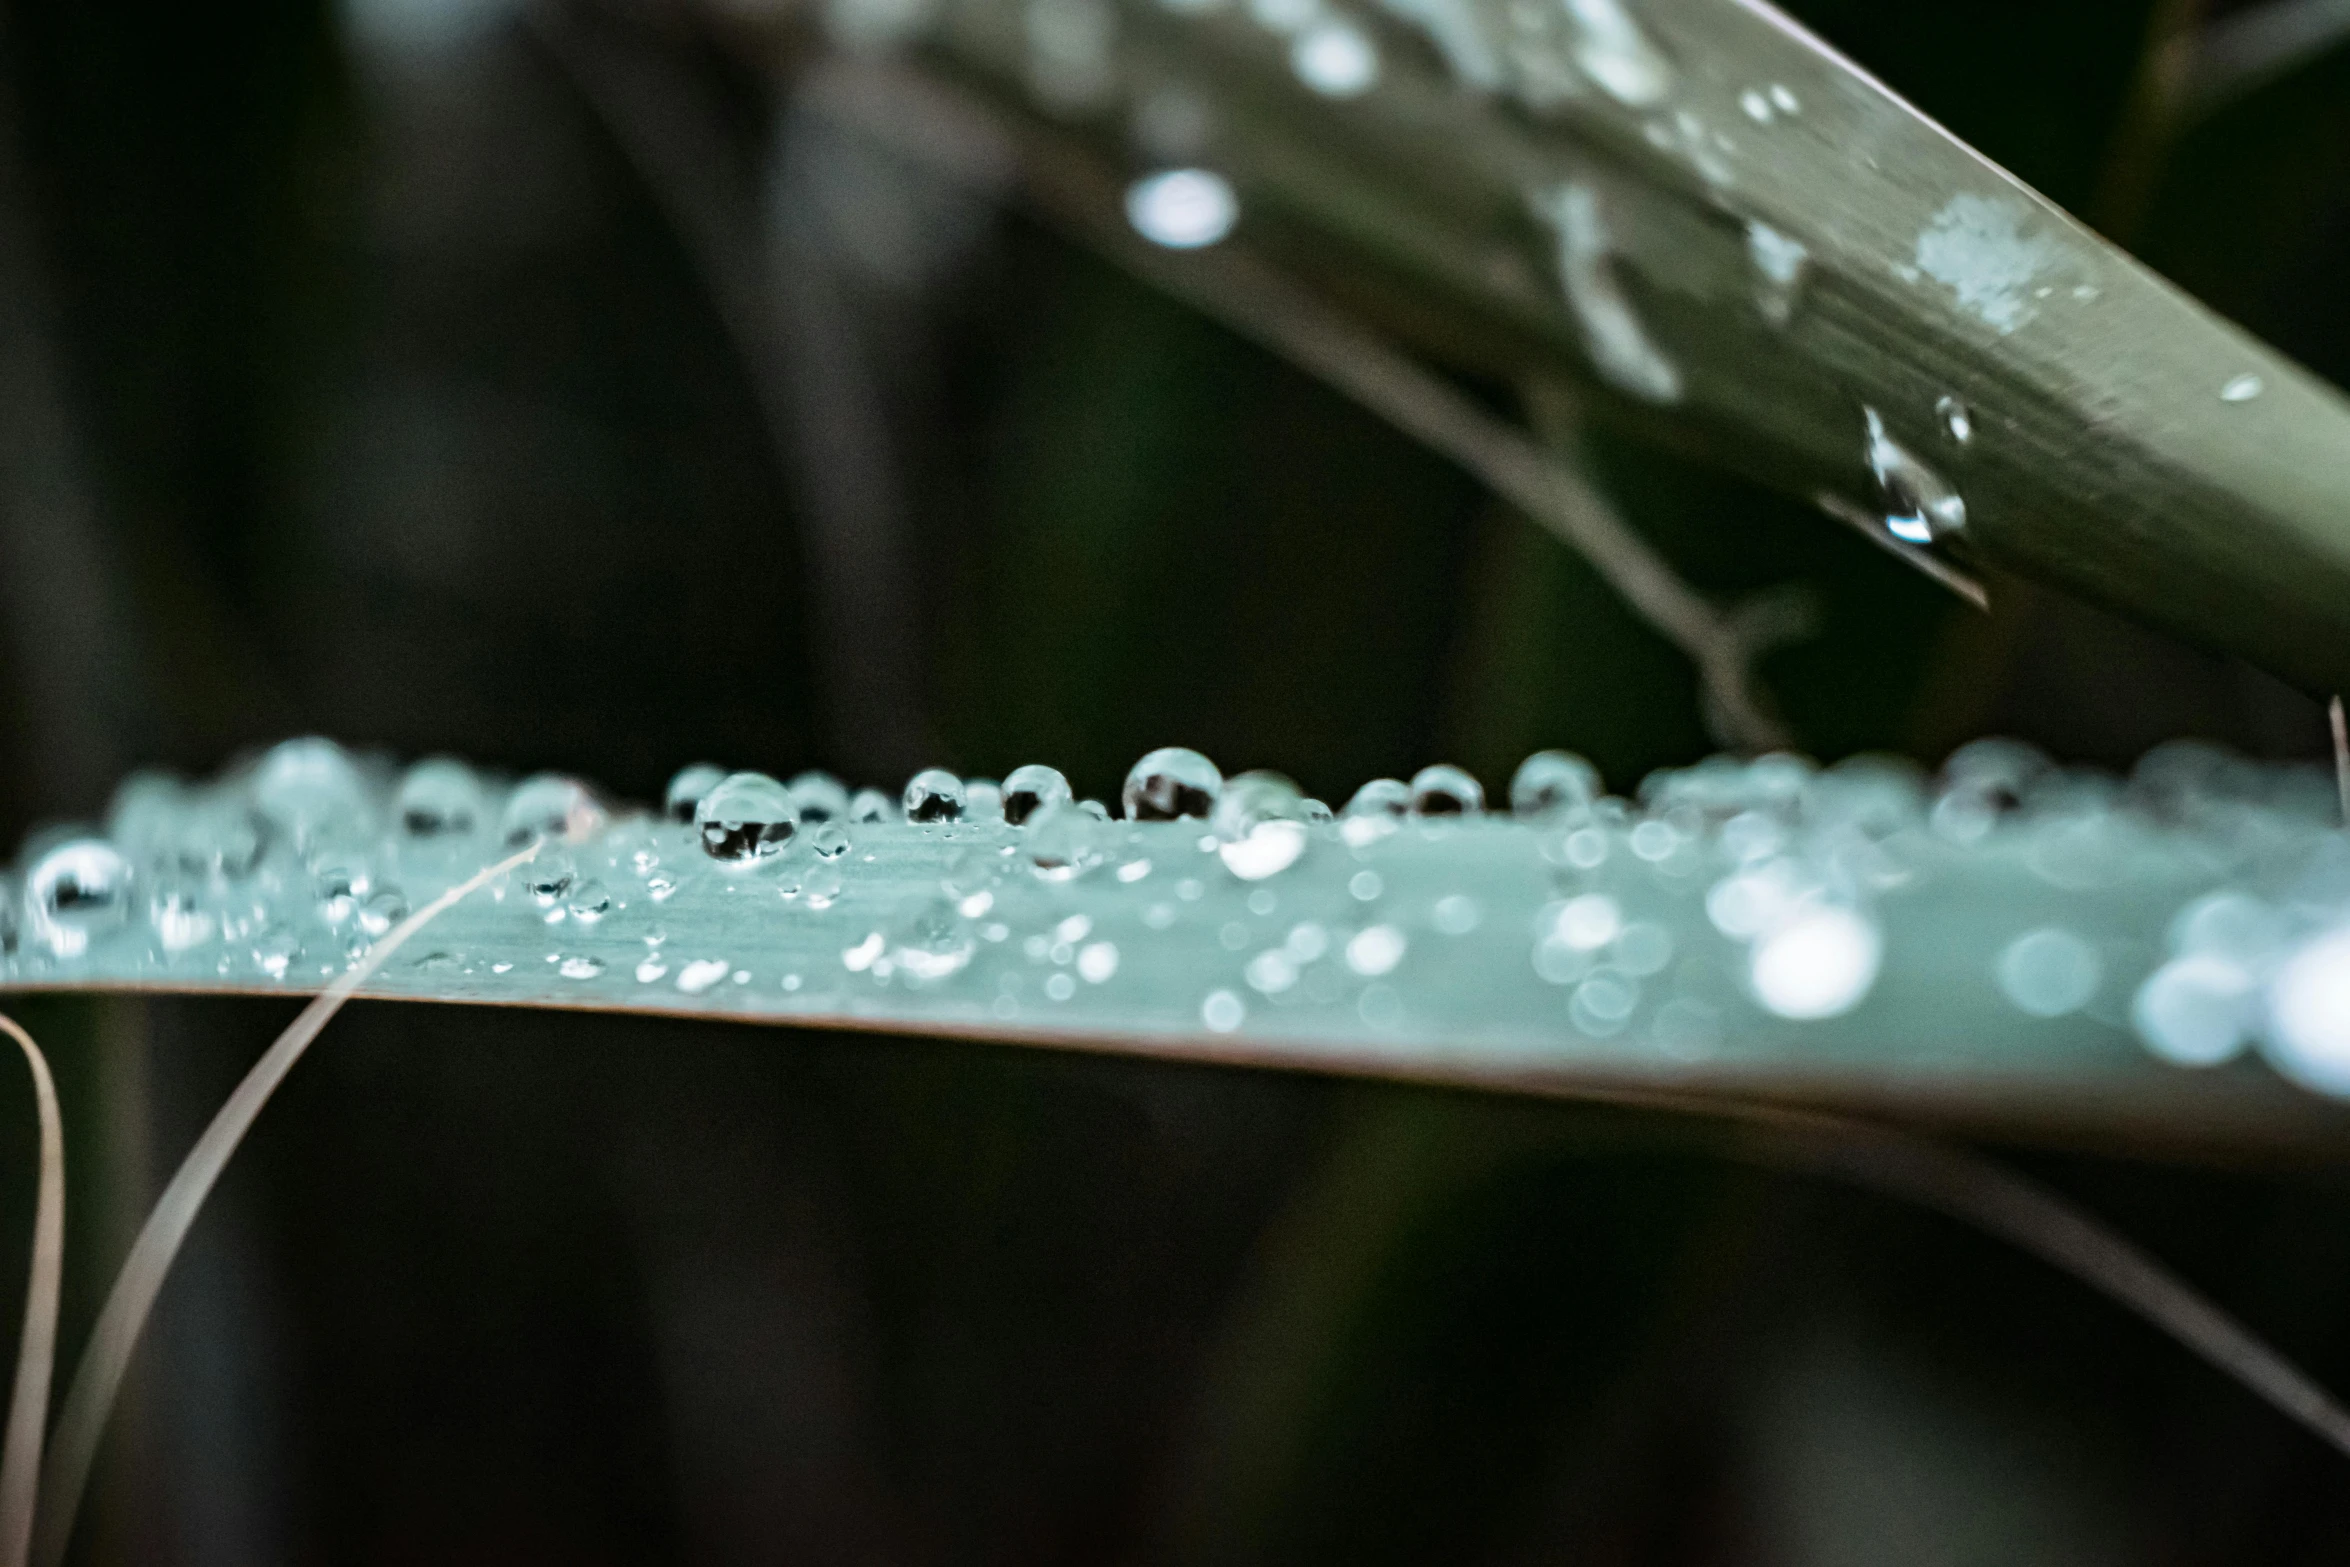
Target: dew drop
x=1097, y=961
x=1819, y=964
x=1784, y=100
x=78, y=893
x=699, y=975
x=1446, y=790
x=1757, y=106
x=935, y=795
x=1335, y=58
x=1030, y=789
x=935, y=943
x=1958, y=421
x=1171, y=783
x=1182, y=209
x=2048, y=972
x=1222, y=1012
x=311, y=790
x=440, y=798
x=983, y=800
x=2242, y=389
x=746, y=820
x=1365, y=886
x=1063, y=842
x=1552, y=783
x=589, y=902
x=2196, y=1010
x=1613, y=52
x=1920, y=505
x=552, y=806
x=871, y=805
x=829, y=840
x=580, y=967
x=1270, y=972
x=820, y=797
x=1781, y=263
x=1375, y=950
x=1457, y=914
x=685, y=790
x=178, y=921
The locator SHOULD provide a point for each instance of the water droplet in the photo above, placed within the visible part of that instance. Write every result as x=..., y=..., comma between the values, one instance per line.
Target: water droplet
x=548, y=877
x=700, y=975
x=933, y=944
x=580, y=967
x=1958, y=421
x=2308, y=1022
x=1059, y=987
x=1222, y=1011
x=1780, y=263
x=1613, y=52
x=2242, y=389
x=276, y=949
x=2196, y=1010
x=552, y=806
x=1920, y=505
x=179, y=922
x=1784, y=100
x=311, y=790
x=1182, y=209
x=1375, y=950
x=2048, y=972
x=1603, y=1003
x=440, y=797
x=1613, y=334
x=1171, y=783
x=589, y=902
x=1062, y=843
x=1553, y=783
x=871, y=805
x=1270, y=972
x=685, y=791
x=1335, y=58
x=746, y=820
x=76, y=894
x=383, y=909
x=1365, y=886
x=1819, y=964
x=1457, y=915
x=1643, y=948
x=1097, y=961
x=820, y=798
x=1446, y=790
x=830, y=840
x=935, y=795
x=1030, y=789
x=983, y=800
x=1757, y=106
x=650, y=970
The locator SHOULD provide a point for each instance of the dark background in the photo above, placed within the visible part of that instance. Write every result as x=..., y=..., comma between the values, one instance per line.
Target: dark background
x=353, y=381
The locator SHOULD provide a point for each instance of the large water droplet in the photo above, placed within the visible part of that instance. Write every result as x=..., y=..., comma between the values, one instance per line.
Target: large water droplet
x=871, y=805
x=1169, y=783
x=1335, y=58
x=983, y=800
x=820, y=797
x=553, y=806
x=77, y=893
x=1446, y=790
x=312, y=790
x=1063, y=842
x=1920, y=505
x=1819, y=964
x=1030, y=789
x=685, y=791
x=440, y=797
x=935, y=795
x=1182, y=209
x=933, y=944
x=1553, y=783
x=749, y=819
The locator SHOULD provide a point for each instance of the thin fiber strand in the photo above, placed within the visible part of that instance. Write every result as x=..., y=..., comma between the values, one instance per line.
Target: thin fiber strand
x=107, y=1357
x=36, y=1345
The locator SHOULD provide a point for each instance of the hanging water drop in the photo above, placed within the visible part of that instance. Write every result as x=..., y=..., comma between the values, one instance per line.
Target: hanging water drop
x=934, y=795
x=749, y=819
x=1030, y=789
x=1445, y=790
x=1171, y=783
x=1920, y=505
